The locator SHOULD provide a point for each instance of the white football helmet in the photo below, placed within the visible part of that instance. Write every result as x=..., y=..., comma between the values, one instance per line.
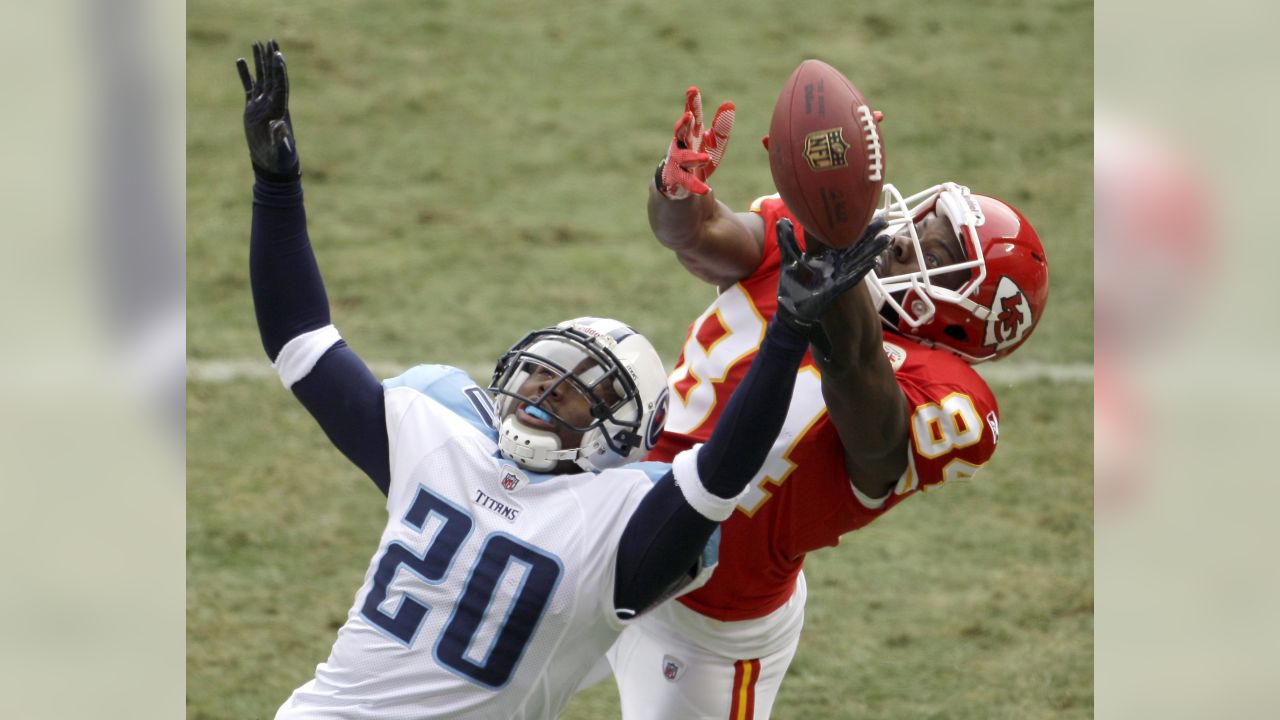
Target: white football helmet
x=619, y=432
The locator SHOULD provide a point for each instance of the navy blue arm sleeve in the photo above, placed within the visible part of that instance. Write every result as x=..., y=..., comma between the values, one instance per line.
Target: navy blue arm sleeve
x=289, y=299
x=665, y=536
x=347, y=400
x=288, y=293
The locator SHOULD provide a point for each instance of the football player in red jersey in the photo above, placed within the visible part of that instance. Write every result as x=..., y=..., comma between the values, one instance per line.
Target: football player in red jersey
x=886, y=405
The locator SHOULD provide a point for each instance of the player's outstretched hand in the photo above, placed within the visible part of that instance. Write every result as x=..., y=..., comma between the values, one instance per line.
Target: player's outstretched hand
x=811, y=281
x=267, y=126
x=695, y=151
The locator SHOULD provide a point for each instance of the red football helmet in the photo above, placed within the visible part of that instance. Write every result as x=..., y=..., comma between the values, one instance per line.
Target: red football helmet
x=997, y=307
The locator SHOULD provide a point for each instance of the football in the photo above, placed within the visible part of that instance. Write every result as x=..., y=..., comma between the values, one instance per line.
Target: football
x=826, y=153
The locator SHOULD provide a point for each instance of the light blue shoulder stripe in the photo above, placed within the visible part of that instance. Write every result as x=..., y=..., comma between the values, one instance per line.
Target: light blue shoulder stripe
x=711, y=551
x=655, y=470
x=453, y=389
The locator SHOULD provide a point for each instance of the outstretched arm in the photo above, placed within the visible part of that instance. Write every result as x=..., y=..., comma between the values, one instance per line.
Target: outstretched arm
x=289, y=298
x=715, y=244
x=710, y=240
x=666, y=535
x=862, y=395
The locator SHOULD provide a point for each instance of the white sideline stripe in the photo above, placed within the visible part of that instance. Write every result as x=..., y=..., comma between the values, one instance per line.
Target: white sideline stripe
x=1014, y=373
x=229, y=370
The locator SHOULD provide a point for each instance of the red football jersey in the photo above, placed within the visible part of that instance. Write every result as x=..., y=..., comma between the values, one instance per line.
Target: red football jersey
x=802, y=499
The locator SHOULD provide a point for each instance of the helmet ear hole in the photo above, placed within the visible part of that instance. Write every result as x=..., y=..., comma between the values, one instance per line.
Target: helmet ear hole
x=955, y=332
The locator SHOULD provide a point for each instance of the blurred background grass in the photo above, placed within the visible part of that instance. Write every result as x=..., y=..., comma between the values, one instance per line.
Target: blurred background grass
x=474, y=170
x=497, y=154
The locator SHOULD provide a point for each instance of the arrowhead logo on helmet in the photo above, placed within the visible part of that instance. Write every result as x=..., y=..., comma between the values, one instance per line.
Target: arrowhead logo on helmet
x=1010, y=316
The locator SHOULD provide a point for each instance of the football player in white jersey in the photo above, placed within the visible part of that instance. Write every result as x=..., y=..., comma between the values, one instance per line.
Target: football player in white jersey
x=522, y=535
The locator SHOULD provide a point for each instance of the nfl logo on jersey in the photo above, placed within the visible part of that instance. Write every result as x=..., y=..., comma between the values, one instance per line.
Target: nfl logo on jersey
x=510, y=479
x=671, y=668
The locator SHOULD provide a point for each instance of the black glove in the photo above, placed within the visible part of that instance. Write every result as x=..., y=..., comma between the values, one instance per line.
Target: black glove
x=267, y=126
x=811, y=282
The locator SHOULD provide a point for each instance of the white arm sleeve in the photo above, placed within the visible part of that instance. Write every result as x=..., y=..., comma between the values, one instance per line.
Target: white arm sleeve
x=713, y=507
x=299, y=356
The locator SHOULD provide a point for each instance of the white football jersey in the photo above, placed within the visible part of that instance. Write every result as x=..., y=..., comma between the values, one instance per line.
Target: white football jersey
x=491, y=594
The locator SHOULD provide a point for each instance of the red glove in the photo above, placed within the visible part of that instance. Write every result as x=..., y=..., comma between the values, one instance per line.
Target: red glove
x=695, y=152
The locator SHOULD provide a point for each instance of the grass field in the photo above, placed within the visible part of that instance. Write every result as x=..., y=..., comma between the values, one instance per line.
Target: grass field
x=476, y=169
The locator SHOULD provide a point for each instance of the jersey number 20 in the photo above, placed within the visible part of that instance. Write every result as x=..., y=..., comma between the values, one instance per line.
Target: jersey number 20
x=491, y=667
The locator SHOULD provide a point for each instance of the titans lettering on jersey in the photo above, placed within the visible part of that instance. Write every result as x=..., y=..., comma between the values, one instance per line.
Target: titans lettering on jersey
x=491, y=591
x=802, y=498
x=495, y=505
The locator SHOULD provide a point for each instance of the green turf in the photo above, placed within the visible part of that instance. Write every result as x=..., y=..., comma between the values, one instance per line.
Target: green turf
x=475, y=169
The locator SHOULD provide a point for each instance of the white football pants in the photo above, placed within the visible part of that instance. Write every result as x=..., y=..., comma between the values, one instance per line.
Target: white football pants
x=674, y=663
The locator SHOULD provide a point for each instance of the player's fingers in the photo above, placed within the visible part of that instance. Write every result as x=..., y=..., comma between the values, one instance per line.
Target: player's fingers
x=687, y=159
x=243, y=68
x=693, y=184
x=879, y=245
x=273, y=68
x=876, y=227
x=857, y=260
x=722, y=122
x=693, y=104
x=787, y=241
x=282, y=79
x=277, y=67
x=870, y=244
x=683, y=127
x=257, y=66
x=265, y=81
x=717, y=138
x=676, y=175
